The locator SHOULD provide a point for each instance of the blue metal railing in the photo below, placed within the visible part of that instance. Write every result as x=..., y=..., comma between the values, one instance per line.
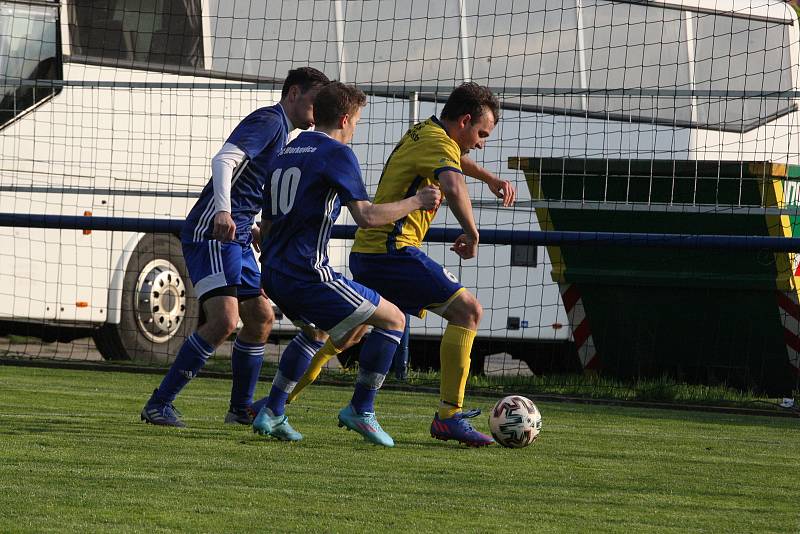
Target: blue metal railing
x=437, y=234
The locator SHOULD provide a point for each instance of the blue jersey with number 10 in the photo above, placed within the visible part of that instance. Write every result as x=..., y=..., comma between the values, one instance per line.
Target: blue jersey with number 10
x=307, y=184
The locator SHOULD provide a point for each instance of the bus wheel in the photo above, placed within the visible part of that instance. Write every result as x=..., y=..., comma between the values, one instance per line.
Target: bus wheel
x=159, y=309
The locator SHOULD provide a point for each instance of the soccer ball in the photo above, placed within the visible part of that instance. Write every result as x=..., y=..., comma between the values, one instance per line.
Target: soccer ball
x=515, y=422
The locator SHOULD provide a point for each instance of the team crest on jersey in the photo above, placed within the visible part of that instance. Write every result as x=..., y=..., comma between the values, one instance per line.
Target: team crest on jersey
x=450, y=276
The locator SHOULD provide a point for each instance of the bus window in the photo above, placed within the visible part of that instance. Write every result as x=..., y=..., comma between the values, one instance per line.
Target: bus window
x=739, y=54
x=28, y=51
x=146, y=33
x=266, y=39
x=527, y=44
x=630, y=47
x=402, y=42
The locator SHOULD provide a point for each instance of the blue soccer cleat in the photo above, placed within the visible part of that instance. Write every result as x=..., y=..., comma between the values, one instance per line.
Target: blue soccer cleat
x=161, y=413
x=239, y=416
x=276, y=426
x=365, y=424
x=459, y=428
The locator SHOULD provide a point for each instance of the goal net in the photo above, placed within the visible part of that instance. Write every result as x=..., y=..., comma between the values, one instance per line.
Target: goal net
x=620, y=117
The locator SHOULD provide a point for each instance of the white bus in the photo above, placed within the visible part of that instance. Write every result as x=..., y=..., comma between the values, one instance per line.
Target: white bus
x=151, y=88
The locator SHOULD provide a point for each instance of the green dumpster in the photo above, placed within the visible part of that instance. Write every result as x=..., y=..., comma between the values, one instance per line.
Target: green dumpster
x=707, y=316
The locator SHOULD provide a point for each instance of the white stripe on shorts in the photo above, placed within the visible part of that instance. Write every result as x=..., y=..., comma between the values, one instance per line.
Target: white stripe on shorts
x=211, y=257
x=361, y=314
x=217, y=277
x=217, y=257
x=347, y=289
x=355, y=300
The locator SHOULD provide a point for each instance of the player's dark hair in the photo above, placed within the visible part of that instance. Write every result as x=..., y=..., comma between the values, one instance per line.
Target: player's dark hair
x=305, y=78
x=473, y=99
x=336, y=100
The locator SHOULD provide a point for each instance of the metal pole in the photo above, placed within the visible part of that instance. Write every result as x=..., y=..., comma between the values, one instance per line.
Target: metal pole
x=413, y=108
x=338, y=9
x=462, y=30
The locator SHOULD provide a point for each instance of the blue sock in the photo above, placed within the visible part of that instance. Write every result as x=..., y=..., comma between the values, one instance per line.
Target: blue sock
x=294, y=361
x=246, y=360
x=374, y=362
x=191, y=358
x=400, y=359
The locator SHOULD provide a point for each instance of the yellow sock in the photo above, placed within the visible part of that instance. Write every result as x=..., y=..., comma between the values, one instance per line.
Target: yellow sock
x=454, y=359
x=319, y=360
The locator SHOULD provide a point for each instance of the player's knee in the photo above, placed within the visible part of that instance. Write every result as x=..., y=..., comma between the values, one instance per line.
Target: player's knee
x=473, y=315
x=263, y=315
x=359, y=335
x=476, y=311
x=396, y=320
x=467, y=312
x=351, y=338
x=315, y=334
x=217, y=329
x=227, y=325
x=257, y=316
x=319, y=336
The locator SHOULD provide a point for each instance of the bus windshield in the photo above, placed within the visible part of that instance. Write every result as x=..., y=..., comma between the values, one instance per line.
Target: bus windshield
x=28, y=51
x=150, y=34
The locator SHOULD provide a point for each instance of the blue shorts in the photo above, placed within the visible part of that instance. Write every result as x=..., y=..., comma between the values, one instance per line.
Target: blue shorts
x=335, y=307
x=408, y=278
x=213, y=264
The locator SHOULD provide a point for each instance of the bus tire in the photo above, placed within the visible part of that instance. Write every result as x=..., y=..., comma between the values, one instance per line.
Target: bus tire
x=159, y=310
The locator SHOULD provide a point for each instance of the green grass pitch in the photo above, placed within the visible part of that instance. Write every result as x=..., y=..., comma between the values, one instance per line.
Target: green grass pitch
x=75, y=458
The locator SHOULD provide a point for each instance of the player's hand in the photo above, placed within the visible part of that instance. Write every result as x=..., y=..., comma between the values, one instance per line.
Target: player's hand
x=224, y=228
x=465, y=246
x=256, y=231
x=503, y=189
x=430, y=197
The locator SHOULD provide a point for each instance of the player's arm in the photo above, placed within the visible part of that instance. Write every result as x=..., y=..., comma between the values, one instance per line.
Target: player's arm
x=264, y=227
x=369, y=215
x=256, y=231
x=454, y=188
x=223, y=167
x=503, y=189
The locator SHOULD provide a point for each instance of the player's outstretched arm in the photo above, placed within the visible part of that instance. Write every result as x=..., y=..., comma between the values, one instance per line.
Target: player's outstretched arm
x=502, y=189
x=369, y=215
x=455, y=191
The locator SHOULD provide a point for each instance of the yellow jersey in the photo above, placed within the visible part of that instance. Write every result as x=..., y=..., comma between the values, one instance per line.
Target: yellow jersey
x=421, y=155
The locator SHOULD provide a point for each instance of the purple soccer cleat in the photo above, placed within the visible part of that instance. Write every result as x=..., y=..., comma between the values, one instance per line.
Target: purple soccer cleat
x=460, y=429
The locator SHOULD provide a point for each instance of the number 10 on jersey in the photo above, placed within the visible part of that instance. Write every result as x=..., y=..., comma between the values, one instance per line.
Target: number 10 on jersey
x=283, y=188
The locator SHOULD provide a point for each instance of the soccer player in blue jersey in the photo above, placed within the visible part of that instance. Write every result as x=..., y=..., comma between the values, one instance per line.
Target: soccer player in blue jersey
x=310, y=180
x=216, y=241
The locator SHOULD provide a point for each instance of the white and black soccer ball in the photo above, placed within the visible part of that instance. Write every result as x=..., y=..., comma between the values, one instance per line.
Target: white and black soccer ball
x=515, y=422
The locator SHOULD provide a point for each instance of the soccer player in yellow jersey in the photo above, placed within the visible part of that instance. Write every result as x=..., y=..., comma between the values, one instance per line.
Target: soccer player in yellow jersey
x=388, y=258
